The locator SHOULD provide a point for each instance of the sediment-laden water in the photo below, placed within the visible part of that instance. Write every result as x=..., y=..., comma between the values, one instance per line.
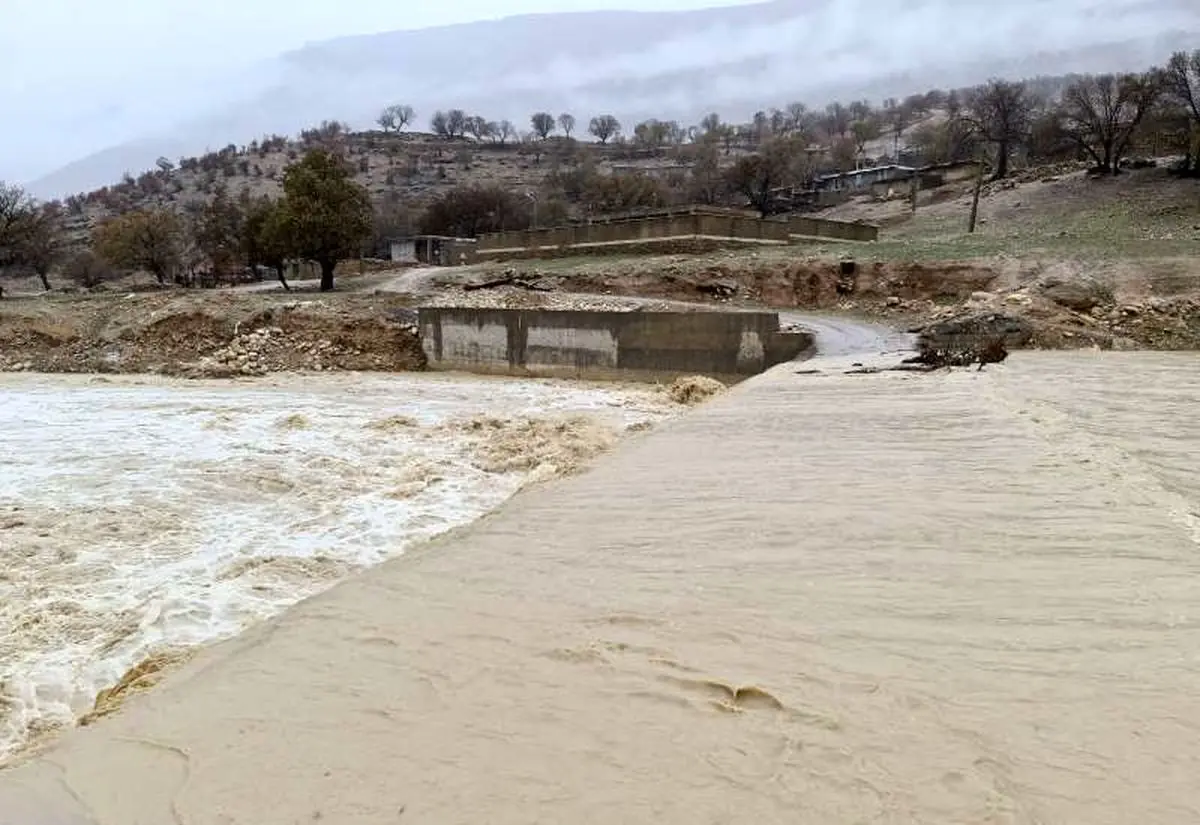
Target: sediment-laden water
x=138, y=516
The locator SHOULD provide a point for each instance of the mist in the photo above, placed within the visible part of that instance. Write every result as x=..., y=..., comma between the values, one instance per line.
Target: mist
x=634, y=65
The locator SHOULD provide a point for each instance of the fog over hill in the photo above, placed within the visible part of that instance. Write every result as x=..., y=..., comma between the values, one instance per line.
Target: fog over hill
x=734, y=60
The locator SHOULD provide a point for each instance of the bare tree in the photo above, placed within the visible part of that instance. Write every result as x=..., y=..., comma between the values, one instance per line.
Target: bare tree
x=711, y=124
x=507, y=131
x=17, y=212
x=456, y=122
x=779, y=163
x=543, y=124
x=87, y=270
x=478, y=127
x=42, y=248
x=395, y=118
x=566, y=122
x=440, y=124
x=604, y=128
x=1103, y=112
x=897, y=116
x=864, y=131
x=797, y=114
x=836, y=121
x=999, y=112
x=1181, y=83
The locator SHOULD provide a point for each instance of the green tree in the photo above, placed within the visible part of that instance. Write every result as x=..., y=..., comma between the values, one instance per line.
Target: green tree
x=266, y=237
x=468, y=211
x=148, y=239
x=219, y=229
x=328, y=214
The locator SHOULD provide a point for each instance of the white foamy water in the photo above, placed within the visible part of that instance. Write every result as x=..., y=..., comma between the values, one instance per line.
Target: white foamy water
x=137, y=515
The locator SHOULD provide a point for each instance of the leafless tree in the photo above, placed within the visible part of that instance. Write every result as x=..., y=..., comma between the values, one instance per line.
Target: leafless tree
x=42, y=247
x=507, y=131
x=999, y=112
x=897, y=116
x=440, y=124
x=395, y=118
x=543, y=124
x=836, y=121
x=566, y=122
x=780, y=163
x=456, y=122
x=1102, y=113
x=604, y=128
x=864, y=131
x=478, y=127
x=17, y=213
x=87, y=270
x=1181, y=83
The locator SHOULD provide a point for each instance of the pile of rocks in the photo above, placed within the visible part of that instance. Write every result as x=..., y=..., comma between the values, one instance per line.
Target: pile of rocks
x=247, y=354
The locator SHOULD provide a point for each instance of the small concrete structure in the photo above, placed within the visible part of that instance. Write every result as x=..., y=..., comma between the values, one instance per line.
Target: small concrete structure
x=865, y=178
x=435, y=250
x=607, y=345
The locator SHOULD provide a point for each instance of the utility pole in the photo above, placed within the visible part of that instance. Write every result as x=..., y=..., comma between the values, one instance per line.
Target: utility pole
x=975, y=198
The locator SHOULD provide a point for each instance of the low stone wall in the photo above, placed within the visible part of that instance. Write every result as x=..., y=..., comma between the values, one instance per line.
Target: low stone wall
x=704, y=226
x=607, y=345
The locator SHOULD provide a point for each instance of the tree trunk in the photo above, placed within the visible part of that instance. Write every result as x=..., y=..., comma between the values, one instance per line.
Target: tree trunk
x=282, y=278
x=45, y=281
x=327, y=275
x=1002, y=151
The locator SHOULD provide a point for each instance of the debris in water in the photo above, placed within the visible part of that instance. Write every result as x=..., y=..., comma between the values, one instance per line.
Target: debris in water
x=695, y=389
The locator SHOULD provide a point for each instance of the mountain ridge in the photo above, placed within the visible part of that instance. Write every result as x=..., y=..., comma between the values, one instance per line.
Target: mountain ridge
x=662, y=64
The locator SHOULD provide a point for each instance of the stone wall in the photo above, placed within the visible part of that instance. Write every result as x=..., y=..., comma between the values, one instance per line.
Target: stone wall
x=672, y=228
x=607, y=345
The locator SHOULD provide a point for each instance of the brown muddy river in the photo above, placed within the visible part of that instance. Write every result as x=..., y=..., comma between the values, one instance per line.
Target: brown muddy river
x=951, y=598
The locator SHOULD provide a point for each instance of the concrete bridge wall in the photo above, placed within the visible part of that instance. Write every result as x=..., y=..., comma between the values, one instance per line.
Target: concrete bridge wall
x=607, y=345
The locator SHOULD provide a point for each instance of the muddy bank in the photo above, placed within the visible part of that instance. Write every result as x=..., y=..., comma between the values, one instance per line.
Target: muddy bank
x=208, y=334
x=1066, y=306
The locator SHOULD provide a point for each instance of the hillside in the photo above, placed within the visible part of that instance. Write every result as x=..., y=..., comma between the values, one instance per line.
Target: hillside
x=668, y=65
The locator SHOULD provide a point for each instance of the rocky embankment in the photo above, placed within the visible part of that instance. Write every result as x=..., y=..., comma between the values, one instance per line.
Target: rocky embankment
x=199, y=335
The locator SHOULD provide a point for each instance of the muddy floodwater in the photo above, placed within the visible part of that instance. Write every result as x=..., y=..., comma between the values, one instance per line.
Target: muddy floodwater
x=969, y=598
x=141, y=515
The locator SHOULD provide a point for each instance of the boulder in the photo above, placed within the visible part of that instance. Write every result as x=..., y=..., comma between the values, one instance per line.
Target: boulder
x=1080, y=296
x=970, y=333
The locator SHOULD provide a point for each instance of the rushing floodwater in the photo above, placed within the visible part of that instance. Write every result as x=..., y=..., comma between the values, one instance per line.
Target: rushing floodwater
x=962, y=598
x=137, y=516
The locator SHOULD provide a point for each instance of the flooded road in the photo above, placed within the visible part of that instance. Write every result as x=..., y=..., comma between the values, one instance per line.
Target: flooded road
x=140, y=515
x=961, y=597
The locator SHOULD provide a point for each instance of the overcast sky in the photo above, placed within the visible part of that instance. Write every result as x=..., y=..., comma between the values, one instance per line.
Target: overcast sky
x=75, y=65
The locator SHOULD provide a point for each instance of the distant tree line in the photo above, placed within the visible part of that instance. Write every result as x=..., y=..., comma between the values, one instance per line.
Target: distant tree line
x=321, y=214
